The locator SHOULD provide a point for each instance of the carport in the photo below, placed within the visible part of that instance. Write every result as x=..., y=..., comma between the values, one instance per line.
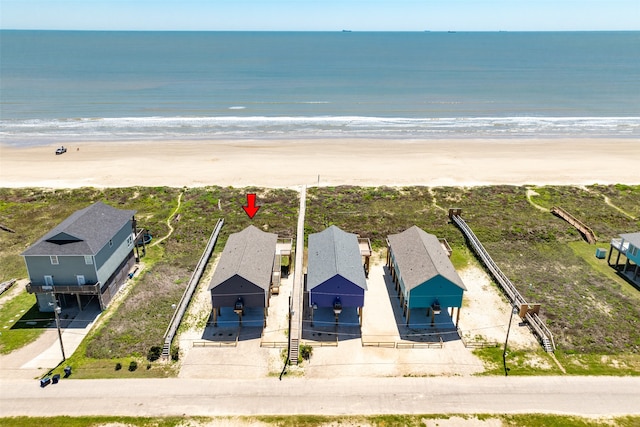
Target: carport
x=423, y=274
x=244, y=273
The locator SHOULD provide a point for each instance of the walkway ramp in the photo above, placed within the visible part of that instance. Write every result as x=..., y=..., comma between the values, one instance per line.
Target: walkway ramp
x=297, y=293
x=528, y=312
x=181, y=309
x=587, y=232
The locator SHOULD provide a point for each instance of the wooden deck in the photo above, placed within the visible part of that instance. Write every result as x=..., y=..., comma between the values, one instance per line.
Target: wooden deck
x=587, y=232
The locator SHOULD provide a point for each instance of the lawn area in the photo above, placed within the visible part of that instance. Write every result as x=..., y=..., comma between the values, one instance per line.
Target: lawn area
x=21, y=322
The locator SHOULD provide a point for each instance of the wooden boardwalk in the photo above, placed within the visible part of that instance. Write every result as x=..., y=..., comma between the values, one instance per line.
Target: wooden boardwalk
x=297, y=294
x=587, y=232
x=528, y=312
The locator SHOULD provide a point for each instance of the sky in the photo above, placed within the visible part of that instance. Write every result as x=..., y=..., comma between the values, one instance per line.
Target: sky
x=322, y=15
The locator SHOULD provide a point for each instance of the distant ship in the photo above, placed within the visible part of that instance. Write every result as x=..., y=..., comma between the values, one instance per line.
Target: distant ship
x=346, y=31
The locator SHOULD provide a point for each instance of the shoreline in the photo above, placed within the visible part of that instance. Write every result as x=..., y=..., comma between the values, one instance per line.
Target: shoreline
x=279, y=163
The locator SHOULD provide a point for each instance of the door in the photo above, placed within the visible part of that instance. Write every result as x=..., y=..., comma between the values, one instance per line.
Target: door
x=48, y=283
x=81, y=280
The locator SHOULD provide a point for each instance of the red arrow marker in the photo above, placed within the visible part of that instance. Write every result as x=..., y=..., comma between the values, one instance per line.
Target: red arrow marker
x=251, y=209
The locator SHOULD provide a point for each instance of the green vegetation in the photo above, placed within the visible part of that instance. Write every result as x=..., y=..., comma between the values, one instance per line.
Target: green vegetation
x=136, y=323
x=518, y=420
x=593, y=313
x=21, y=322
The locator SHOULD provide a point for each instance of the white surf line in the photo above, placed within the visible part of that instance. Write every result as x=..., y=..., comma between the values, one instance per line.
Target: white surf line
x=169, y=222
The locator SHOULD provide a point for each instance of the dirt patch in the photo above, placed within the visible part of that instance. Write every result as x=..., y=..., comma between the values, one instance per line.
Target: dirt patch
x=485, y=313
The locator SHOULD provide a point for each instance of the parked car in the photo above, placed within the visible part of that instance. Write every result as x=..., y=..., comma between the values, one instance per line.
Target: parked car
x=61, y=150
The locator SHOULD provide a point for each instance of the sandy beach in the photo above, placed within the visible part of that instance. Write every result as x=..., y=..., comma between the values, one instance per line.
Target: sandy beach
x=288, y=163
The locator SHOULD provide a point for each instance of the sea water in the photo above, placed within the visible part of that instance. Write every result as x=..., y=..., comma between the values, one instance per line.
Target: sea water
x=84, y=86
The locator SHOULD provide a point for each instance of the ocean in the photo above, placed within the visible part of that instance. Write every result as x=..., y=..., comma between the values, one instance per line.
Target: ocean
x=86, y=86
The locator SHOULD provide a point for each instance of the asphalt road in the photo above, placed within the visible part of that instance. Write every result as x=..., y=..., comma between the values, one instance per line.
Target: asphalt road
x=586, y=396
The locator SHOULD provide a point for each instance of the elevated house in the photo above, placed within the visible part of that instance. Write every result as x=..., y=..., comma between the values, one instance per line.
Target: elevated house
x=244, y=274
x=628, y=245
x=335, y=273
x=87, y=255
x=423, y=274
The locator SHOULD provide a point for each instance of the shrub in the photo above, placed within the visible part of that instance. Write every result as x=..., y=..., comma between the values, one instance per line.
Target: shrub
x=306, y=351
x=175, y=353
x=118, y=366
x=154, y=353
x=133, y=365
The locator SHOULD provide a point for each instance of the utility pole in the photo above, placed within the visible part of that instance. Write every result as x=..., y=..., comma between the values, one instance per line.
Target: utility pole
x=513, y=312
x=56, y=312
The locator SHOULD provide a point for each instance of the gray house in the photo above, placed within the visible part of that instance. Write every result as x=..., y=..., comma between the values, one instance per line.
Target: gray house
x=244, y=273
x=335, y=273
x=422, y=272
x=87, y=255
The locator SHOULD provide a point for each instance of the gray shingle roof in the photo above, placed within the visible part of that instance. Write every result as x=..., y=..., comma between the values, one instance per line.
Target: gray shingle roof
x=633, y=238
x=84, y=232
x=420, y=257
x=332, y=252
x=248, y=254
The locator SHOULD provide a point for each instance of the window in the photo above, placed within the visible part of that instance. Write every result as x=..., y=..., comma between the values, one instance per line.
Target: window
x=88, y=259
x=110, y=243
x=633, y=250
x=54, y=260
x=130, y=240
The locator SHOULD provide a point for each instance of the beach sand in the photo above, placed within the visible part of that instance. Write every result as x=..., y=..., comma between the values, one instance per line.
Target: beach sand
x=290, y=163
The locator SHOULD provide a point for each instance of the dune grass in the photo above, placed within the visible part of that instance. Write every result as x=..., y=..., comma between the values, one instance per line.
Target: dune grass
x=589, y=309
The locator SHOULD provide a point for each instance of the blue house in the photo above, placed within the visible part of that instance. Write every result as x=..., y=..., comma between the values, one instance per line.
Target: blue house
x=87, y=255
x=335, y=273
x=245, y=273
x=628, y=245
x=422, y=272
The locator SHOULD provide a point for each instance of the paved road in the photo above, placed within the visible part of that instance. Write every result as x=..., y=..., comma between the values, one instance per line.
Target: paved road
x=587, y=396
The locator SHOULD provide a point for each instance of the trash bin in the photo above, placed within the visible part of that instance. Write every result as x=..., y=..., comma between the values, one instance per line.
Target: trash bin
x=67, y=371
x=45, y=381
x=55, y=379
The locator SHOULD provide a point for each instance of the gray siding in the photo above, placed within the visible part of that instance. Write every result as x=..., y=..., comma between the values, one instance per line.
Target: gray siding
x=64, y=273
x=110, y=257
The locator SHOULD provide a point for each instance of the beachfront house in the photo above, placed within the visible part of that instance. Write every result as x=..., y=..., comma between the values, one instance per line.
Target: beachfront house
x=422, y=273
x=87, y=255
x=628, y=245
x=244, y=275
x=335, y=272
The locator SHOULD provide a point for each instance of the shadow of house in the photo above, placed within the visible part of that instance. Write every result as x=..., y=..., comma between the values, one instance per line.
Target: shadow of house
x=335, y=276
x=442, y=330
x=423, y=276
x=243, y=277
x=627, y=246
x=87, y=255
